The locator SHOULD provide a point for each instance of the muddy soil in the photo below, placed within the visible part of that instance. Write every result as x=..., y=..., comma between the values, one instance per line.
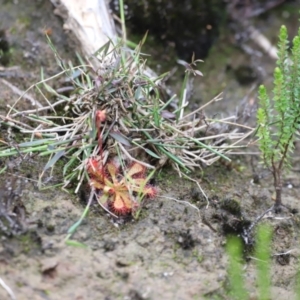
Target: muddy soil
x=175, y=250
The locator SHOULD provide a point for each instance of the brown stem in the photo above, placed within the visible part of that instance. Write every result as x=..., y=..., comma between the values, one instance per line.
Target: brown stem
x=278, y=198
x=277, y=170
x=278, y=186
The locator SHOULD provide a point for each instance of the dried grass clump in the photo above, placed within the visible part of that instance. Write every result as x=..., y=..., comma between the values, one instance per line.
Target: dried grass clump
x=139, y=126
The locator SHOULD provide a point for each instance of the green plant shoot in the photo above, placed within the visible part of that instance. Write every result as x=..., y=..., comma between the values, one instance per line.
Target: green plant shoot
x=278, y=120
x=235, y=270
x=263, y=262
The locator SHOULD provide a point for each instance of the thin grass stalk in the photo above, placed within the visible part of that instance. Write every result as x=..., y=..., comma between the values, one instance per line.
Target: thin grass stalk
x=182, y=98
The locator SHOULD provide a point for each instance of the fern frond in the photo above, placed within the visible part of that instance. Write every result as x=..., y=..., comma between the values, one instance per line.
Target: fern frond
x=295, y=81
x=264, y=134
x=282, y=90
x=283, y=46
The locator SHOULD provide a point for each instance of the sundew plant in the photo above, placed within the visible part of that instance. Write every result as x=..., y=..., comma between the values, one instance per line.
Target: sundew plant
x=278, y=120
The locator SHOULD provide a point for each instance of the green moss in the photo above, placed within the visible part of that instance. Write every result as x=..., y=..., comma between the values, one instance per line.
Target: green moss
x=167, y=177
x=198, y=256
x=24, y=21
x=29, y=243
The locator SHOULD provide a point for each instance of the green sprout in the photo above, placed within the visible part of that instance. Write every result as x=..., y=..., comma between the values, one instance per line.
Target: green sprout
x=262, y=257
x=278, y=121
x=235, y=270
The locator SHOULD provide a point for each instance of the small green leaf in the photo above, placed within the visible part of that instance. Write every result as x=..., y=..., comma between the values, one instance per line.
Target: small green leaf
x=118, y=136
x=75, y=244
x=54, y=159
x=151, y=153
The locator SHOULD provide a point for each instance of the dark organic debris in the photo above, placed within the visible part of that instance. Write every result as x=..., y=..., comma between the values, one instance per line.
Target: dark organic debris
x=12, y=210
x=283, y=259
x=185, y=240
x=4, y=49
x=228, y=214
x=197, y=22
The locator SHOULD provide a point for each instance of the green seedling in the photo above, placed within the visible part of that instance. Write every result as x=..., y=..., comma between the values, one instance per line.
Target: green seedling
x=278, y=120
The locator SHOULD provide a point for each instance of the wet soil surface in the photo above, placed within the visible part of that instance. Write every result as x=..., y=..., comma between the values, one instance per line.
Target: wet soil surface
x=175, y=250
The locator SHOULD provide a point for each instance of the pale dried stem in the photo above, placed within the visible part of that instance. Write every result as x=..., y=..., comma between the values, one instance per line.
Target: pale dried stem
x=26, y=112
x=217, y=98
x=8, y=289
x=22, y=94
x=200, y=188
x=13, y=121
x=133, y=159
x=181, y=201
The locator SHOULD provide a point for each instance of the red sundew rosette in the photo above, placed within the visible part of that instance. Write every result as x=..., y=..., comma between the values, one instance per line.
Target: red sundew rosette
x=120, y=201
x=95, y=169
x=137, y=181
x=116, y=190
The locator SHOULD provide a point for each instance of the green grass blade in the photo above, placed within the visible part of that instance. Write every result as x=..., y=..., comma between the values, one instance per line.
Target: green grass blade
x=235, y=270
x=150, y=152
x=263, y=262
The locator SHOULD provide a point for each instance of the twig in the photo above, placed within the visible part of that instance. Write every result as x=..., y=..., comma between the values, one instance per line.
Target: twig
x=200, y=188
x=133, y=159
x=105, y=208
x=284, y=253
x=217, y=98
x=181, y=201
x=38, y=109
x=263, y=42
x=8, y=289
x=13, y=121
x=22, y=93
x=254, y=223
x=257, y=259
